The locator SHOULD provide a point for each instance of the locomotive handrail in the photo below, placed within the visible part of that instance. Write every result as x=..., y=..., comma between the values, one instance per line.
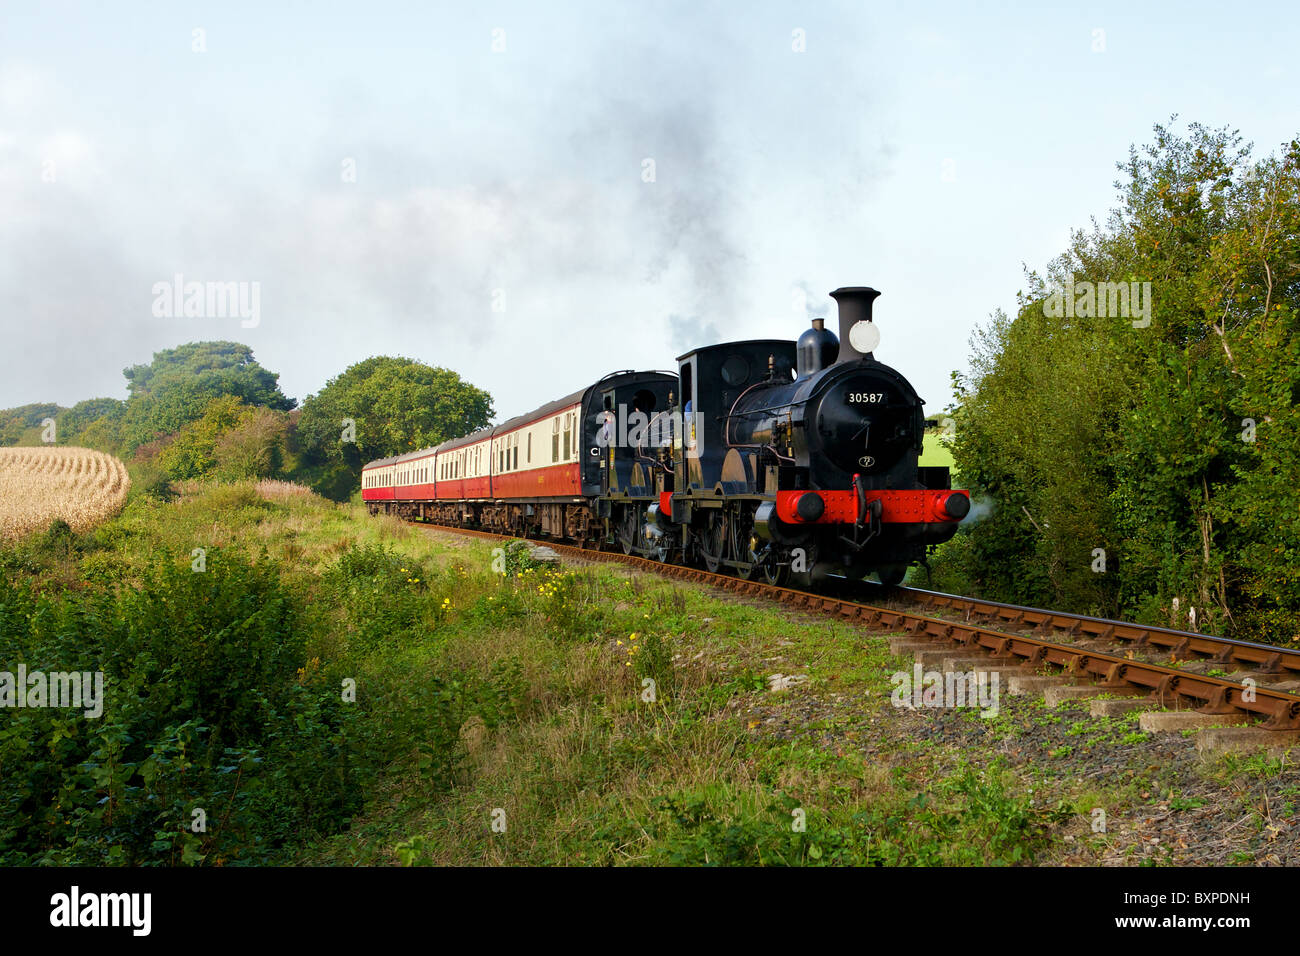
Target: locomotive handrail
x=726, y=424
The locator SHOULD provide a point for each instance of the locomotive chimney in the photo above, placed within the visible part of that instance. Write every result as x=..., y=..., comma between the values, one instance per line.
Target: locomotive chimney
x=858, y=334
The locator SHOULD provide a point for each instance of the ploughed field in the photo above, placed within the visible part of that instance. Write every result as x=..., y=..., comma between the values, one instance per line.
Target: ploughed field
x=38, y=485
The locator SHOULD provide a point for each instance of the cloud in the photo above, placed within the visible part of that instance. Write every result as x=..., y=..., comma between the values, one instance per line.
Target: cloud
x=689, y=332
x=518, y=240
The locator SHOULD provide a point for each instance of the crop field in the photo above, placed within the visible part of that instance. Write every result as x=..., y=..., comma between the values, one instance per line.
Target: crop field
x=38, y=485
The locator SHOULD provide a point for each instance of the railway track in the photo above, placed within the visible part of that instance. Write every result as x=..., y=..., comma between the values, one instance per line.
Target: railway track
x=1112, y=658
x=1280, y=664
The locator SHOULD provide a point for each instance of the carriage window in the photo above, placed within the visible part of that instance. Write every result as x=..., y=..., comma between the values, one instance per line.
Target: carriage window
x=528, y=450
x=568, y=432
x=515, y=452
x=555, y=439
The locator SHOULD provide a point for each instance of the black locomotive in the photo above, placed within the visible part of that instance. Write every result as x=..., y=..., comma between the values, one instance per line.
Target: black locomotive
x=800, y=457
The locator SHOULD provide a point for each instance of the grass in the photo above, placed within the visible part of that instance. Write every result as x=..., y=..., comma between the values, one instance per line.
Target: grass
x=936, y=451
x=598, y=716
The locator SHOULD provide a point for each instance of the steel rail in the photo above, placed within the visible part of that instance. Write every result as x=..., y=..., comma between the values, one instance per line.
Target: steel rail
x=1182, y=645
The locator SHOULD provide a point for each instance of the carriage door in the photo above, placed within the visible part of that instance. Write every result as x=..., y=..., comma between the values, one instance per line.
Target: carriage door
x=606, y=440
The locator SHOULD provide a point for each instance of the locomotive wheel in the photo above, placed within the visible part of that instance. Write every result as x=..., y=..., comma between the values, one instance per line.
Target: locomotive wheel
x=713, y=542
x=892, y=575
x=774, y=573
x=627, y=532
x=739, y=550
x=805, y=578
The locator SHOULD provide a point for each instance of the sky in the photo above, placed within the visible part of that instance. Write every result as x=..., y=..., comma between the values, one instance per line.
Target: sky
x=534, y=195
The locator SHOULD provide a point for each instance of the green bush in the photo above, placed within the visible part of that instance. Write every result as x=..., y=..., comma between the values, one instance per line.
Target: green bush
x=205, y=708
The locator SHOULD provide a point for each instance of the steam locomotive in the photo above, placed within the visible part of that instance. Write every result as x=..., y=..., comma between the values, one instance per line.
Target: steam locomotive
x=790, y=460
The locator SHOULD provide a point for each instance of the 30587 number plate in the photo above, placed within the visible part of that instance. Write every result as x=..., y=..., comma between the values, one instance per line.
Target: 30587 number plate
x=865, y=398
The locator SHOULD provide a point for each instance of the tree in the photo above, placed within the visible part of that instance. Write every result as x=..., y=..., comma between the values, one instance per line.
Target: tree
x=75, y=421
x=1171, y=442
x=253, y=447
x=193, y=452
x=379, y=407
x=24, y=424
x=177, y=386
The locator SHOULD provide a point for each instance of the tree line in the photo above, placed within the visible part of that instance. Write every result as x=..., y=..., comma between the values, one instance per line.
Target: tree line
x=210, y=410
x=1141, y=458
